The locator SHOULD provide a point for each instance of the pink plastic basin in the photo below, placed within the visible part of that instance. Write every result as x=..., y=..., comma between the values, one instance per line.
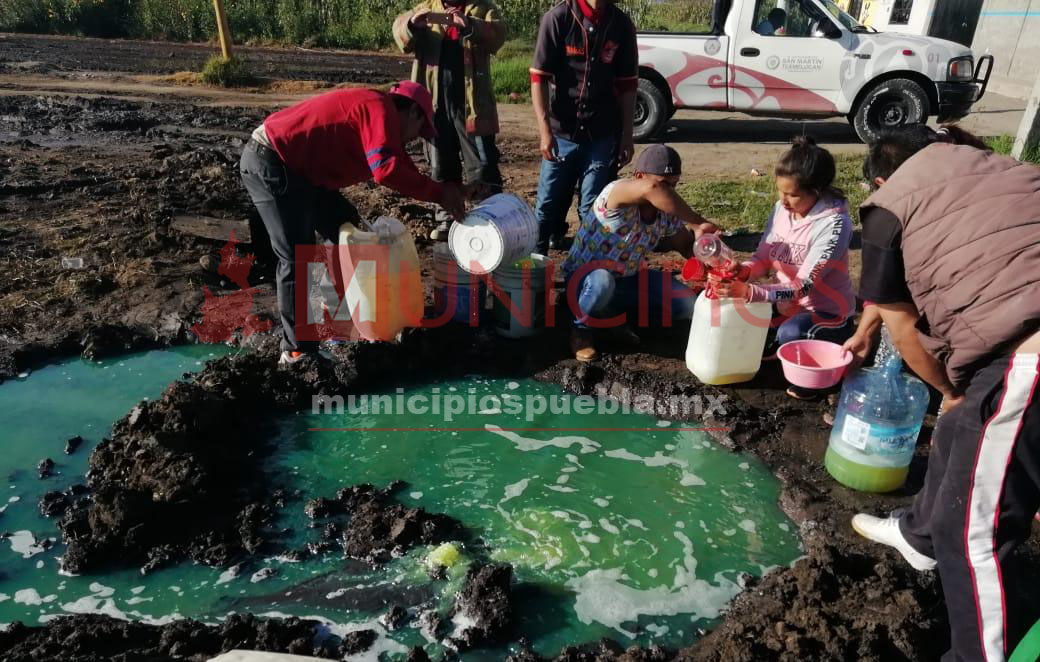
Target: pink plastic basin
x=814, y=364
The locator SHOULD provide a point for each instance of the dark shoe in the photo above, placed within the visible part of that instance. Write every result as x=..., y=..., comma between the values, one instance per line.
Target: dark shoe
x=441, y=233
x=582, y=345
x=804, y=394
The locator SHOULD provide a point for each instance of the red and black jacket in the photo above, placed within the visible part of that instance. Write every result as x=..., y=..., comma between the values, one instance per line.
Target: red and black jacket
x=590, y=57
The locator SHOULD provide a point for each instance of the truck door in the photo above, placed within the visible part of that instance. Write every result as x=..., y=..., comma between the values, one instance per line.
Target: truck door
x=956, y=20
x=784, y=61
x=690, y=57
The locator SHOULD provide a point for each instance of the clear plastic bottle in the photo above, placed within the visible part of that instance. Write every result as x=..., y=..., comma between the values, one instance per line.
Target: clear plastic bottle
x=714, y=253
x=879, y=418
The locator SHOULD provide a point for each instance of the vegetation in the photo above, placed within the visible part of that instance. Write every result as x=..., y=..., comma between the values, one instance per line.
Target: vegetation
x=1004, y=145
x=225, y=72
x=336, y=23
x=745, y=203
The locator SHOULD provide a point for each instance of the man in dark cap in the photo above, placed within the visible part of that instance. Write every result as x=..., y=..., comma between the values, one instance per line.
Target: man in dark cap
x=630, y=219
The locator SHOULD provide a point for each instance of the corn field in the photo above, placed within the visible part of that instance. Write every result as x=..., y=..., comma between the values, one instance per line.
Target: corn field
x=358, y=24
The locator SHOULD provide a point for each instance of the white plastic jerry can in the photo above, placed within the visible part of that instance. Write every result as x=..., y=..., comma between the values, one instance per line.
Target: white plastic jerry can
x=727, y=338
x=383, y=281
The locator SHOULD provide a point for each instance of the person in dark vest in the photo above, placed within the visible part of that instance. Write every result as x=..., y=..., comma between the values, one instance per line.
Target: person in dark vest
x=586, y=52
x=951, y=260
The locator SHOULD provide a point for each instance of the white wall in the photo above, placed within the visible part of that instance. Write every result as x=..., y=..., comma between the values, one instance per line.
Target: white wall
x=1010, y=31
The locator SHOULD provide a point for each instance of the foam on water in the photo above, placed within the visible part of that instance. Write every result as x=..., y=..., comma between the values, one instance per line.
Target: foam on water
x=595, y=519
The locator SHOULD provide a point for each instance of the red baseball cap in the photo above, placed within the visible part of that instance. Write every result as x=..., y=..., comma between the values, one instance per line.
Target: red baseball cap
x=422, y=98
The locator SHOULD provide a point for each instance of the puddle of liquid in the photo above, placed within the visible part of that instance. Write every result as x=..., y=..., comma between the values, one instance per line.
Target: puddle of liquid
x=638, y=534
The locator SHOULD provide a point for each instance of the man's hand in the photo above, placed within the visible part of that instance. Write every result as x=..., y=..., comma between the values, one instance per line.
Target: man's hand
x=859, y=345
x=547, y=143
x=452, y=201
x=626, y=150
x=420, y=20
x=949, y=402
x=704, y=228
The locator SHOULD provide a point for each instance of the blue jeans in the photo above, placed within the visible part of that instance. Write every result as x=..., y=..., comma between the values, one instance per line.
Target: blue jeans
x=593, y=165
x=602, y=294
x=808, y=325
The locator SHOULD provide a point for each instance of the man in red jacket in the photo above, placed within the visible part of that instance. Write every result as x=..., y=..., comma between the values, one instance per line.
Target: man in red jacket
x=298, y=159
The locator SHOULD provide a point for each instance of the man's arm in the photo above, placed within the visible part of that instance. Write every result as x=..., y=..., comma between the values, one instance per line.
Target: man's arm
x=540, y=99
x=547, y=56
x=489, y=31
x=628, y=192
x=405, y=24
x=625, y=83
x=901, y=319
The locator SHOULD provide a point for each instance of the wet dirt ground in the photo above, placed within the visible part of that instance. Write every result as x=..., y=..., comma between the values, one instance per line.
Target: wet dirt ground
x=99, y=175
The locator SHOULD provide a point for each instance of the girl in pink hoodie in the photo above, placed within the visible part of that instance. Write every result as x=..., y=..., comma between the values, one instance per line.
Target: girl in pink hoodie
x=805, y=246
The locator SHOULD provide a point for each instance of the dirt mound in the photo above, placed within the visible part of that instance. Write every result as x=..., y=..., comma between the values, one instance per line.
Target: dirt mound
x=378, y=528
x=176, y=478
x=485, y=605
x=96, y=638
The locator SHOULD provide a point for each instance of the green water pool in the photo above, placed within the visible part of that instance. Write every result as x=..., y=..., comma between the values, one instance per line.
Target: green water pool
x=616, y=525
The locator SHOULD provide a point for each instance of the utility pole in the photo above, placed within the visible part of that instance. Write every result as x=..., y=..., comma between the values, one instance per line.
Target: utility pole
x=222, y=29
x=1028, y=140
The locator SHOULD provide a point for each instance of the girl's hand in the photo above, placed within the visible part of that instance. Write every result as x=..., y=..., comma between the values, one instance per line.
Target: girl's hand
x=728, y=289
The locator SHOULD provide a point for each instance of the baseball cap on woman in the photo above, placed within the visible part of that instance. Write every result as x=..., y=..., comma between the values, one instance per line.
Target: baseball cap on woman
x=422, y=98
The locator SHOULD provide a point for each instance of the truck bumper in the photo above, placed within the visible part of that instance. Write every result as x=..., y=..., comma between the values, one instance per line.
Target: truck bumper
x=955, y=99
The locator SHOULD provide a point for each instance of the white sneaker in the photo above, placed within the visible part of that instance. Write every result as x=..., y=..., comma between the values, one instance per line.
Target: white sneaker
x=886, y=531
x=288, y=358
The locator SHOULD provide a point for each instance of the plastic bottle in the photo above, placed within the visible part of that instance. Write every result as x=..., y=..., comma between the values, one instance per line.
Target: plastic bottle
x=727, y=337
x=877, y=423
x=714, y=253
x=380, y=269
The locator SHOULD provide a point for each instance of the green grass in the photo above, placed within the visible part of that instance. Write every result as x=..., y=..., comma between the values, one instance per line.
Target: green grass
x=1004, y=145
x=510, y=71
x=745, y=203
x=225, y=72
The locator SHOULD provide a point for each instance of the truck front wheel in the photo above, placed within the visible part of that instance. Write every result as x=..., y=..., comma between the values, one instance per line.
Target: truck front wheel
x=889, y=104
x=652, y=111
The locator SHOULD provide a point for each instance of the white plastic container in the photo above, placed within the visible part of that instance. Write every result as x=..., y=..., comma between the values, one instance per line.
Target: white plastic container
x=524, y=316
x=502, y=230
x=380, y=269
x=727, y=338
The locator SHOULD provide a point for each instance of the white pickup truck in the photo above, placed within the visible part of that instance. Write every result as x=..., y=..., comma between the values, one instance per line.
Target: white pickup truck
x=804, y=58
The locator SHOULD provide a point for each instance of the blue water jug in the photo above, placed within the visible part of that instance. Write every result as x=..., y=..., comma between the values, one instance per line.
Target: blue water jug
x=877, y=423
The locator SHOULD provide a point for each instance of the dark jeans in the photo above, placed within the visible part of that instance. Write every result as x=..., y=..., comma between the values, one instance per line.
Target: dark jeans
x=456, y=156
x=590, y=165
x=808, y=325
x=980, y=494
x=602, y=294
x=292, y=210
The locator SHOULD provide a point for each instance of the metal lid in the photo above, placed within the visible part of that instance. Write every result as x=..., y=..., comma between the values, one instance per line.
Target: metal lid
x=477, y=244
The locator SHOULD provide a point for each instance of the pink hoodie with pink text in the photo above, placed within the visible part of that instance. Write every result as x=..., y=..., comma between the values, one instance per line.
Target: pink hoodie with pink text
x=810, y=257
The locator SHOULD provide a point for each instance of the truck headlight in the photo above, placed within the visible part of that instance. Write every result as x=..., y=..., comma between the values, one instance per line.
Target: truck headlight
x=962, y=69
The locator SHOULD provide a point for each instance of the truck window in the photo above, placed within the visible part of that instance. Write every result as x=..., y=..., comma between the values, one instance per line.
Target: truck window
x=686, y=16
x=798, y=19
